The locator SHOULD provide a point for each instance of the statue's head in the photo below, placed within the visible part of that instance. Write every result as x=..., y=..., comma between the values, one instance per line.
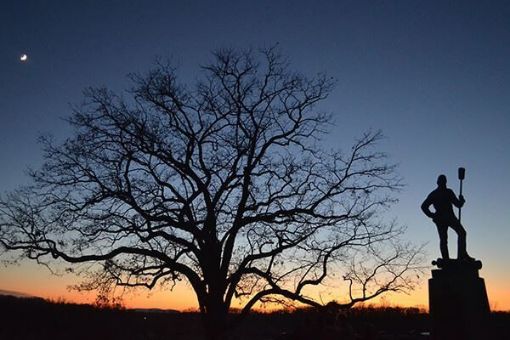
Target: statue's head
x=441, y=181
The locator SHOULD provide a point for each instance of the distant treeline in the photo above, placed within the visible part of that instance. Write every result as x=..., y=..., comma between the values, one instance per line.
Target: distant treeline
x=34, y=318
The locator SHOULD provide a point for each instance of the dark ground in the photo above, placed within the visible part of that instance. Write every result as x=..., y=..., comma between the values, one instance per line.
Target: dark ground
x=33, y=318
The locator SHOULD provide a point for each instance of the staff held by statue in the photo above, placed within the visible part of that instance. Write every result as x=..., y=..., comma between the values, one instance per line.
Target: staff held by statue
x=462, y=175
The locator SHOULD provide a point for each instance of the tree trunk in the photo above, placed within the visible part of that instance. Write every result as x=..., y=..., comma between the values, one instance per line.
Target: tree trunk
x=215, y=321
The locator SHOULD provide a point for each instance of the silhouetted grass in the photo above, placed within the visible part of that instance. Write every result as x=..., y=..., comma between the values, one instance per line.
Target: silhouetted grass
x=33, y=318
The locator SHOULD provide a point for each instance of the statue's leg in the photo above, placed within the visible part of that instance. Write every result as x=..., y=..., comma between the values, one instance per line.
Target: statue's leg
x=461, y=242
x=442, y=229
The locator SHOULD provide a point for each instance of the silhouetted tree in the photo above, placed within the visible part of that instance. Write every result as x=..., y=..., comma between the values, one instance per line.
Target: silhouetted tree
x=223, y=184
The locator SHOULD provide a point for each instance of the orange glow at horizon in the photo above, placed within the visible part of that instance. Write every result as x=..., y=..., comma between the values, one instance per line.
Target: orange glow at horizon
x=35, y=280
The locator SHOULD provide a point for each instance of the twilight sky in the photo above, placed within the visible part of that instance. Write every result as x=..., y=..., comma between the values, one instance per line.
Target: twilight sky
x=433, y=75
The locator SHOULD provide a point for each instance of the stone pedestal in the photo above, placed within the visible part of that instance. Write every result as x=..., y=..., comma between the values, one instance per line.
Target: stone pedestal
x=459, y=308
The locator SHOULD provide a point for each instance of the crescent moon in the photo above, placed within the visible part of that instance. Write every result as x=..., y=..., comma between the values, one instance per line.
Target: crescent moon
x=23, y=57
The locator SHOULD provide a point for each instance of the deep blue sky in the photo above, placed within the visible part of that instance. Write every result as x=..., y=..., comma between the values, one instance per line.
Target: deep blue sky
x=433, y=75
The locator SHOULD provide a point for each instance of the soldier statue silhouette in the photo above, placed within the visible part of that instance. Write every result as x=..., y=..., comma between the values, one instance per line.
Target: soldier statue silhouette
x=458, y=303
x=442, y=200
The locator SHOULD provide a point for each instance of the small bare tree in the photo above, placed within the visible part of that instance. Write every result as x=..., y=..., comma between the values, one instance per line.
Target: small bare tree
x=223, y=184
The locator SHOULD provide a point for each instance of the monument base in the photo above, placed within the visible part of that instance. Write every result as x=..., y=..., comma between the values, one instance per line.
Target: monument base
x=458, y=303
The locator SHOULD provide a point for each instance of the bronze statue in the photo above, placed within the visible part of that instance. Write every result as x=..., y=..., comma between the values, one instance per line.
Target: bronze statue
x=442, y=199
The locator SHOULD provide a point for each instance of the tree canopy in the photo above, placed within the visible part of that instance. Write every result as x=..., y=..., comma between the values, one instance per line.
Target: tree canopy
x=224, y=184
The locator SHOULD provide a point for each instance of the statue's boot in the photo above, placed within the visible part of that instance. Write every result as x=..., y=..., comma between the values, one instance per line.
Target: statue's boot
x=466, y=257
